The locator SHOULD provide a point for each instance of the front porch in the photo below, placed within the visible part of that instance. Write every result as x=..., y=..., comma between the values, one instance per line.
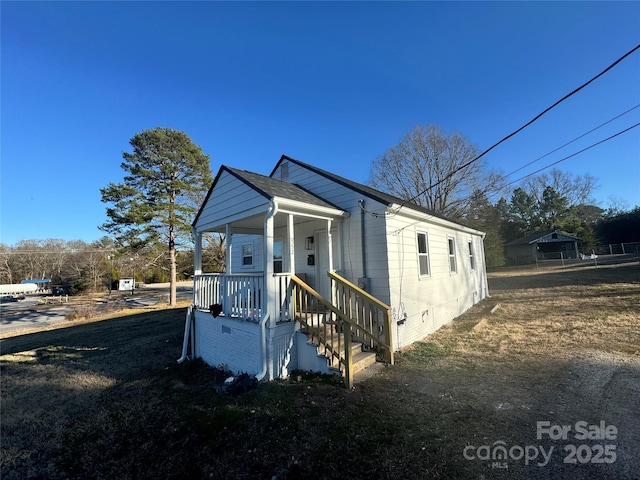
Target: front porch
x=282, y=243
x=310, y=332
x=240, y=296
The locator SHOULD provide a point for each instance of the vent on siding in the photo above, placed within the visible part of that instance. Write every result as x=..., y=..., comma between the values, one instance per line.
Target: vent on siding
x=284, y=171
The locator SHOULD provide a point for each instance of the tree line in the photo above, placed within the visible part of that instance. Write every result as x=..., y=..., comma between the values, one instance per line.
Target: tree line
x=92, y=266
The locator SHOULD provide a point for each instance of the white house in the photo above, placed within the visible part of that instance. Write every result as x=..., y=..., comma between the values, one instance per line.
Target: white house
x=319, y=264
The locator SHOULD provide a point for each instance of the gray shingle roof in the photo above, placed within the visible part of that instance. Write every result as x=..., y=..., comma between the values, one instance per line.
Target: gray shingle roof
x=535, y=237
x=273, y=187
x=372, y=193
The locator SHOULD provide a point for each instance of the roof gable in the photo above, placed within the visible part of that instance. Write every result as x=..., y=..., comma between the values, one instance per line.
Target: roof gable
x=267, y=187
x=543, y=237
x=272, y=187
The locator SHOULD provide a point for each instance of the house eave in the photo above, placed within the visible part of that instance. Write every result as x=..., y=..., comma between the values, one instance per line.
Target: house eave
x=295, y=207
x=408, y=212
x=285, y=206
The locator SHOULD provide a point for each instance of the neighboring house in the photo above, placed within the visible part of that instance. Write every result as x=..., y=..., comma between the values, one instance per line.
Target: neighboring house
x=541, y=246
x=311, y=255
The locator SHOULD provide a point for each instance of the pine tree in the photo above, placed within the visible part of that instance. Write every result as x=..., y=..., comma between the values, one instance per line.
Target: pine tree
x=167, y=178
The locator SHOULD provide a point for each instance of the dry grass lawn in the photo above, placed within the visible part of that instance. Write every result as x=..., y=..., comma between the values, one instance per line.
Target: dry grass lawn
x=106, y=400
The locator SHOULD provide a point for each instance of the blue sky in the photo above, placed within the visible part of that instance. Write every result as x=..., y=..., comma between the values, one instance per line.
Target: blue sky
x=332, y=84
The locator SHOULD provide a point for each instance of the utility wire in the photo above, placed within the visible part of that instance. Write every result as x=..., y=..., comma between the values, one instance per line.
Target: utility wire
x=489, y=188
x=573, y=154
x=478, y=157
x=571, y=141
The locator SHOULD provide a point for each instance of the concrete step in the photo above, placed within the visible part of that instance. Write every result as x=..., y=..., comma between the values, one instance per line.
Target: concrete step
x=368, y=372
x=362, y=360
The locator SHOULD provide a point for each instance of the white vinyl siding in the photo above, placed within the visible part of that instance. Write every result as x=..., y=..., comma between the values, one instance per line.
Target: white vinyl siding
x=350, y=241
x=238, y=201
x=453, y=263
x=423, y=254
x=393, y=252
x=238, y=258
x=428, y=303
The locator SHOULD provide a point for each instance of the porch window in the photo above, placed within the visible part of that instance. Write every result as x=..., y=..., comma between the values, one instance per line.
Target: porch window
x=423, y=254
x=453, y=264
x=247, y=255
x=472, y=259
x=277, y=256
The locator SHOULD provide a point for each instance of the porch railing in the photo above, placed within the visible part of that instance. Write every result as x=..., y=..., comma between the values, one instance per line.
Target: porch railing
x=325, y=325
x=239, y=294
x=353, y=315
x=282, y=284
x=371, y=318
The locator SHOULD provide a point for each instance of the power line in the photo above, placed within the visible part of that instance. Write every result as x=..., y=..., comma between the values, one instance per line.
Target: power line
x=489, y=188
x=574, y=154
x=571, y=141
x=478, y=157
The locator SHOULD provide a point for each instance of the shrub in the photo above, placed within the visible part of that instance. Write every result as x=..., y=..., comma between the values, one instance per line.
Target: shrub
x=82, y=311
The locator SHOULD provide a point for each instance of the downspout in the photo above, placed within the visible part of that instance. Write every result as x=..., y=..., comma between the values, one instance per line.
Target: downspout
x=363, y=250
x=187, y=334
x=189, y=327
x=485, y=280
x=363, y=282
x=273, y=209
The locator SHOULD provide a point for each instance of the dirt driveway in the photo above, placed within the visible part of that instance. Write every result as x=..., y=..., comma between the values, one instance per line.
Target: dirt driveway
x=552, y=375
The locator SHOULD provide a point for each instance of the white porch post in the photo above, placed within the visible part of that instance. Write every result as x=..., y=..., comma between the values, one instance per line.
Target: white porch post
x=269, y=283
x=227, y=247
x=197, y=265
x=197, y=253
x=329, y=245
x=290, y=244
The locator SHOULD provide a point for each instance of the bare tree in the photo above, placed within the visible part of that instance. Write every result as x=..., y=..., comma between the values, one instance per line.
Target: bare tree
x=214, y=256
x=28, y=260
x=576, y=189
x=6, y=269
x=84, y=266
x=429, y=167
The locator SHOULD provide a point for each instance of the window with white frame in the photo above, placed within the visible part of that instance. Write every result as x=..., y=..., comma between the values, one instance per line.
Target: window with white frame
x=453, y=264
x=472, y=258
x=247, y=255
x=423, y=254
x=277, y=256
